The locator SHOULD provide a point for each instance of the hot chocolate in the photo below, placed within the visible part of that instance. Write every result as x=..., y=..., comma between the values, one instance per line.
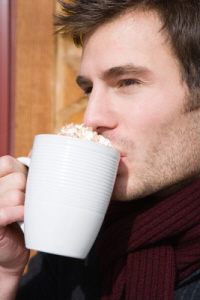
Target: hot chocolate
x=83, y=132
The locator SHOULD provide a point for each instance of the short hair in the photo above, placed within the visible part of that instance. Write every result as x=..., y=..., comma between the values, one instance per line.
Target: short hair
x=180, y=18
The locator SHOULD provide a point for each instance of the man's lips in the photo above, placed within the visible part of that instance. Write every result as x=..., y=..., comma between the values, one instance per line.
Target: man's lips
x=122, y=159
x=122, y=154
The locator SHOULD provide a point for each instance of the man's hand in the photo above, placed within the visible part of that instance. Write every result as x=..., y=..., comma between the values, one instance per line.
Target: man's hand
x=13, y=255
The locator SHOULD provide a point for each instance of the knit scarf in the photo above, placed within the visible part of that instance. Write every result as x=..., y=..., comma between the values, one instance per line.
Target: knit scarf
x=148, y=246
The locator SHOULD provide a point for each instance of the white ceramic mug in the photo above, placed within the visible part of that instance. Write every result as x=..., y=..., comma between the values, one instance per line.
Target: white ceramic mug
x=69, y=186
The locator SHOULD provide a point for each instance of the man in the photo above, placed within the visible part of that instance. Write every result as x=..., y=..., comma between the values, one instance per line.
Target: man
x=141, y=71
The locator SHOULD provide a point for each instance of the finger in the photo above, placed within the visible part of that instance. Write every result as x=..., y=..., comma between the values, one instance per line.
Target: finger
x=12, y=198
x=9, y=164
x=9, y=215
x=14, y=181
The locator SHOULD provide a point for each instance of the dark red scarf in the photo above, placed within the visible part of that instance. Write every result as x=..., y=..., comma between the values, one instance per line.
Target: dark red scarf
x=148, y=246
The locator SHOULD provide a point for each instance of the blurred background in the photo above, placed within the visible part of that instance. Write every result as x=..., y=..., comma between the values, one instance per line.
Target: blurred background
x=38, y=93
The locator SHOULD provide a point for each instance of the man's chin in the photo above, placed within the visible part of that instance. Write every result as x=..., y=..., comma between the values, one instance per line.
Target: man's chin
x=124, y=191
x=120, y=191
x=116, y=194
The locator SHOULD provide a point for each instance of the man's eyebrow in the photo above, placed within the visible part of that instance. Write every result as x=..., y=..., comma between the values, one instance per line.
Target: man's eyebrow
x=117, y=72
x=125, y=69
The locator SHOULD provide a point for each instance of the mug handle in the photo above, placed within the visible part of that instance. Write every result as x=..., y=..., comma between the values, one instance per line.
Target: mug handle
x=26, y=162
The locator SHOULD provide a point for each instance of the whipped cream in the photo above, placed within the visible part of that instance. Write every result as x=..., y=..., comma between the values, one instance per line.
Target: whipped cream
x=83, y=132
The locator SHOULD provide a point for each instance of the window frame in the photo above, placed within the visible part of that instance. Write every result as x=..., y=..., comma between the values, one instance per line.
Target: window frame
x=7, y=86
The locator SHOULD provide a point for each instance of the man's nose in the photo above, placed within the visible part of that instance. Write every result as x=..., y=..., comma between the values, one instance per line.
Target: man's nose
x=100, y=113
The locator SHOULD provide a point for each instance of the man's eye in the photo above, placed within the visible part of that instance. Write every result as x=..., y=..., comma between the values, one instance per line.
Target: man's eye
x=127, y=82
x=88, y=90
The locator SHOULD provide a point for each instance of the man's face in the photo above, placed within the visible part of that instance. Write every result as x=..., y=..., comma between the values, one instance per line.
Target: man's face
x=136, y=99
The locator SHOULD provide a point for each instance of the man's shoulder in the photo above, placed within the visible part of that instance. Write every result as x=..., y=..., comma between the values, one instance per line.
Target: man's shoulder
x=189, y=288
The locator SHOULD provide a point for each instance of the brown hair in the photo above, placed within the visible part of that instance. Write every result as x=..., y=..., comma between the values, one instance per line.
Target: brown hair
x=181, y=22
